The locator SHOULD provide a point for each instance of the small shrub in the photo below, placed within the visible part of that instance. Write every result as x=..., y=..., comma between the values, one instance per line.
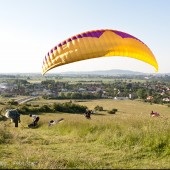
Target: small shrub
x=69, y=107
x=13, y=102
x=45, y=108
x=113, y=111
x=36, y=105
x=98, y=108
x=23, y=109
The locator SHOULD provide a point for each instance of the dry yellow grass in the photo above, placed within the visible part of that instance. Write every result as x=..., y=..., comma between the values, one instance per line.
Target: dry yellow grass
x=128, y=139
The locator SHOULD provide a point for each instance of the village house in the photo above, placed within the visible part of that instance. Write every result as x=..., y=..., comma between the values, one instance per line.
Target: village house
x=166, y=99
x=149, y=98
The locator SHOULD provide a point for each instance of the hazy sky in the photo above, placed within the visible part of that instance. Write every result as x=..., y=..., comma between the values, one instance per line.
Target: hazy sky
x=30, y=28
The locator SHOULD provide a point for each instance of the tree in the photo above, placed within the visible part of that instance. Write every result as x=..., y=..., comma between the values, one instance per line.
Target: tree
x=62, y=95
x=76, y=95
x=141, y=93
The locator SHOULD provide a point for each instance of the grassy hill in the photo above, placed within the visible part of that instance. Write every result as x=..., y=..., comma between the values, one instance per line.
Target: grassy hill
x=128, y=139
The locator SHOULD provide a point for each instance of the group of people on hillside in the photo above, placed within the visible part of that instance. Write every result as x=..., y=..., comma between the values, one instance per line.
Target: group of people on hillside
x=14, y=115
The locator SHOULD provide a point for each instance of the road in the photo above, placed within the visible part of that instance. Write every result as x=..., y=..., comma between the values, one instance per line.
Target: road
x=23, y=100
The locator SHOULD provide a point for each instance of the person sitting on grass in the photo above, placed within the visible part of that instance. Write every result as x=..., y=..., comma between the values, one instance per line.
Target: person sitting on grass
x=87, y=114
x=35, y=120
x=53, y=122
x=155, y=114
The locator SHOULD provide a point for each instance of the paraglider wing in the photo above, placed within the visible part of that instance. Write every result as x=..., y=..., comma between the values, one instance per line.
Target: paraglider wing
x=98, y=43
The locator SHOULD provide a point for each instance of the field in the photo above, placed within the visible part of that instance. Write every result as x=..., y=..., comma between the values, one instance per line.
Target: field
x=131, y=138
x=74, y=80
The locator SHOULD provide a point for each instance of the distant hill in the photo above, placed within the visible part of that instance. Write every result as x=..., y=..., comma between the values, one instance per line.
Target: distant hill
x=114, y=72
x=104, y=72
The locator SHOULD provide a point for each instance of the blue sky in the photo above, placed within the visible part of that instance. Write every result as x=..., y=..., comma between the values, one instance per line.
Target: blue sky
x=30, y=28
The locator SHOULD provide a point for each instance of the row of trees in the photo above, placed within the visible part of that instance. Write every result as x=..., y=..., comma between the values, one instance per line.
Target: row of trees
x=67, y=107
x=75, y=95
x=140, y=93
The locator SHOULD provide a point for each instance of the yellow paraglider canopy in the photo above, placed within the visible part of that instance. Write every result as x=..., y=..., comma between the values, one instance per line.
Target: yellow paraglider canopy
x=98, y=43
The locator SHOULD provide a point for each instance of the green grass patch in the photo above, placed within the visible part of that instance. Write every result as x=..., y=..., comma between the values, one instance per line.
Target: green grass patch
x=130, y=139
